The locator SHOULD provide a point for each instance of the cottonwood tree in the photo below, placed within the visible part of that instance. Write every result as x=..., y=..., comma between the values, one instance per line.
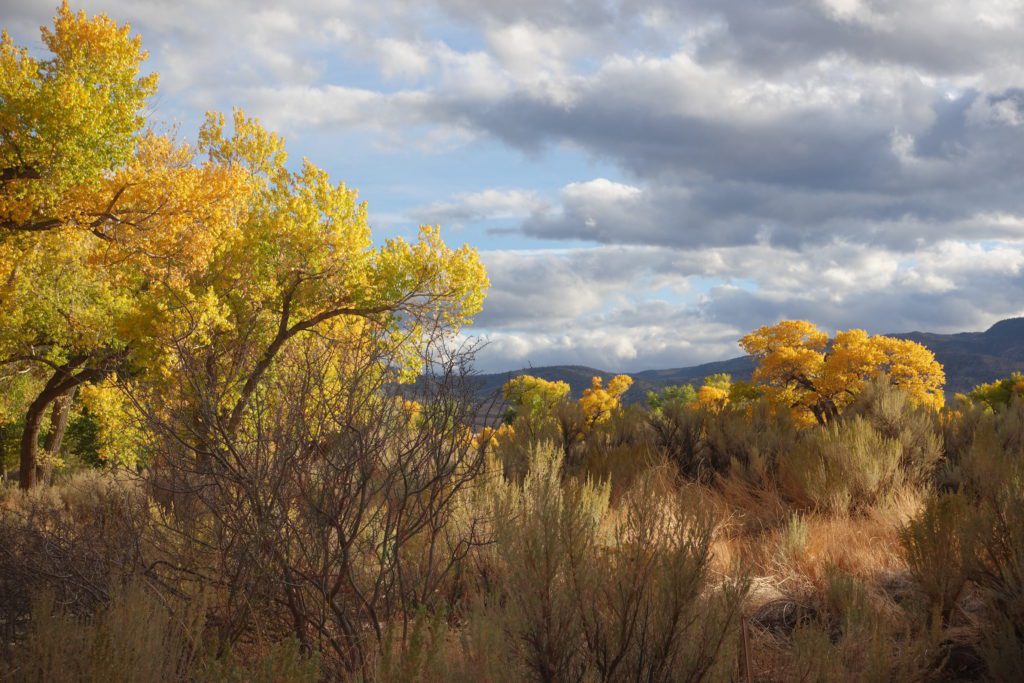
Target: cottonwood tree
x=68, y=119
x=798, y=365
x=1000, y=393
x=120, y=256
x=101, y=223
x=598, y=402
x=532, y=398
x=303, y=262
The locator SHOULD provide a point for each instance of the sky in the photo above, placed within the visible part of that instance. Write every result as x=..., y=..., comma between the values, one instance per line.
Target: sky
x=646, y=180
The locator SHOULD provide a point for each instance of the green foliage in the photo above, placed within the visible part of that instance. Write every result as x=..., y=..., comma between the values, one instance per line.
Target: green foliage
x=721, y=380
x=672, y=397
x=533, y=399
x=1000, y=393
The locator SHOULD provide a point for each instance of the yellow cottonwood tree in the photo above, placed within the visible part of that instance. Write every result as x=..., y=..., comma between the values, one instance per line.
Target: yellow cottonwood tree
x=125, y=252
x=799, y=366
x=999, y=393
x=714, y=394
x=599, y=402
x=533, y=397
x=68, y=119
x=302, y=262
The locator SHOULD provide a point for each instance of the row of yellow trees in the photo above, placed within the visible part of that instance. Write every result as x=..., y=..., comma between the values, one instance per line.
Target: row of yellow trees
x=125, y=253
x=799, y=367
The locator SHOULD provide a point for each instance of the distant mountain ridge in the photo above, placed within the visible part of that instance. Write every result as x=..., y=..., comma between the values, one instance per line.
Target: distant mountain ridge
x=970, y=358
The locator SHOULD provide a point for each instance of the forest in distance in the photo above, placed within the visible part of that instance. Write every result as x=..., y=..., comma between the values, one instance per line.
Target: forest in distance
x=242, y=440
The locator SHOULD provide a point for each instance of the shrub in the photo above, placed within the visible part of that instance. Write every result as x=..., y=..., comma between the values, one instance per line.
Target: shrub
x=332, y=513
x=538, y=528
x=937, y=549
x=893, y=414
x=997, y=567
x=76, y=541
x=750, y=441
x=850, y=638
x=679, y=434
x=133, y=637
x=585, y=592
x=843, y=467
x=647, y=609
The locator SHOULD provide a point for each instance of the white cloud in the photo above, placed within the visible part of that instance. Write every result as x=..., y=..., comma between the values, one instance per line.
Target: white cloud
x=606, y=307
x=484, y=205
x=854, y=162
x=399, y=58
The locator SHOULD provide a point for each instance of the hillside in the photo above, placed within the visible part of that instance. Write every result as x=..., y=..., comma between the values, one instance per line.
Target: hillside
x=969, y=358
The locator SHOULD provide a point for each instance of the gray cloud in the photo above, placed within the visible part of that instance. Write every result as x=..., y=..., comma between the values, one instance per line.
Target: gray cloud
x=634, y=308
x=856, y=163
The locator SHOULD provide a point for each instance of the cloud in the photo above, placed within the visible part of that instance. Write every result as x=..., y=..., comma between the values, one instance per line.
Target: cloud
x=719, y=152
x=634, y=308
x=723, y=163
x=480, y=206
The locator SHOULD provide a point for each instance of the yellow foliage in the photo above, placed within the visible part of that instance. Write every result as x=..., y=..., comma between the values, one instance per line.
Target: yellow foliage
x=122, y=248
x=599, y=402
x=489, y=438
x=533, y=397
x=122, y=437
x=713, y=398
x=799, y=368
x=68, y=119
x=716, y=392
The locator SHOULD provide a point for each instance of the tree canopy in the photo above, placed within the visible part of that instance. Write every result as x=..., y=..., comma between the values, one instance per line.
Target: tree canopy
x=799, y=365
x=999, y=393
x=125, y=253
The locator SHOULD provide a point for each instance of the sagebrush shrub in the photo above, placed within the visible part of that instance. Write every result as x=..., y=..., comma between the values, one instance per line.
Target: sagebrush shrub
x=894, y=415
x=937, y=548
x=587, y=592
x=846, y=466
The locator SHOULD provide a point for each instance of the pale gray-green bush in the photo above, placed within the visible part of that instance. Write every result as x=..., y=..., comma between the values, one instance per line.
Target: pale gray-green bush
x=846, y=466
x=584, y=593
x=893, y=414
x=937, y=548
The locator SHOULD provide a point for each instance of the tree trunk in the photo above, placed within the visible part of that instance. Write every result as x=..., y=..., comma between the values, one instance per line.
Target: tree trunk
x=58, y=426
x=63, y=381
x=30, y=440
